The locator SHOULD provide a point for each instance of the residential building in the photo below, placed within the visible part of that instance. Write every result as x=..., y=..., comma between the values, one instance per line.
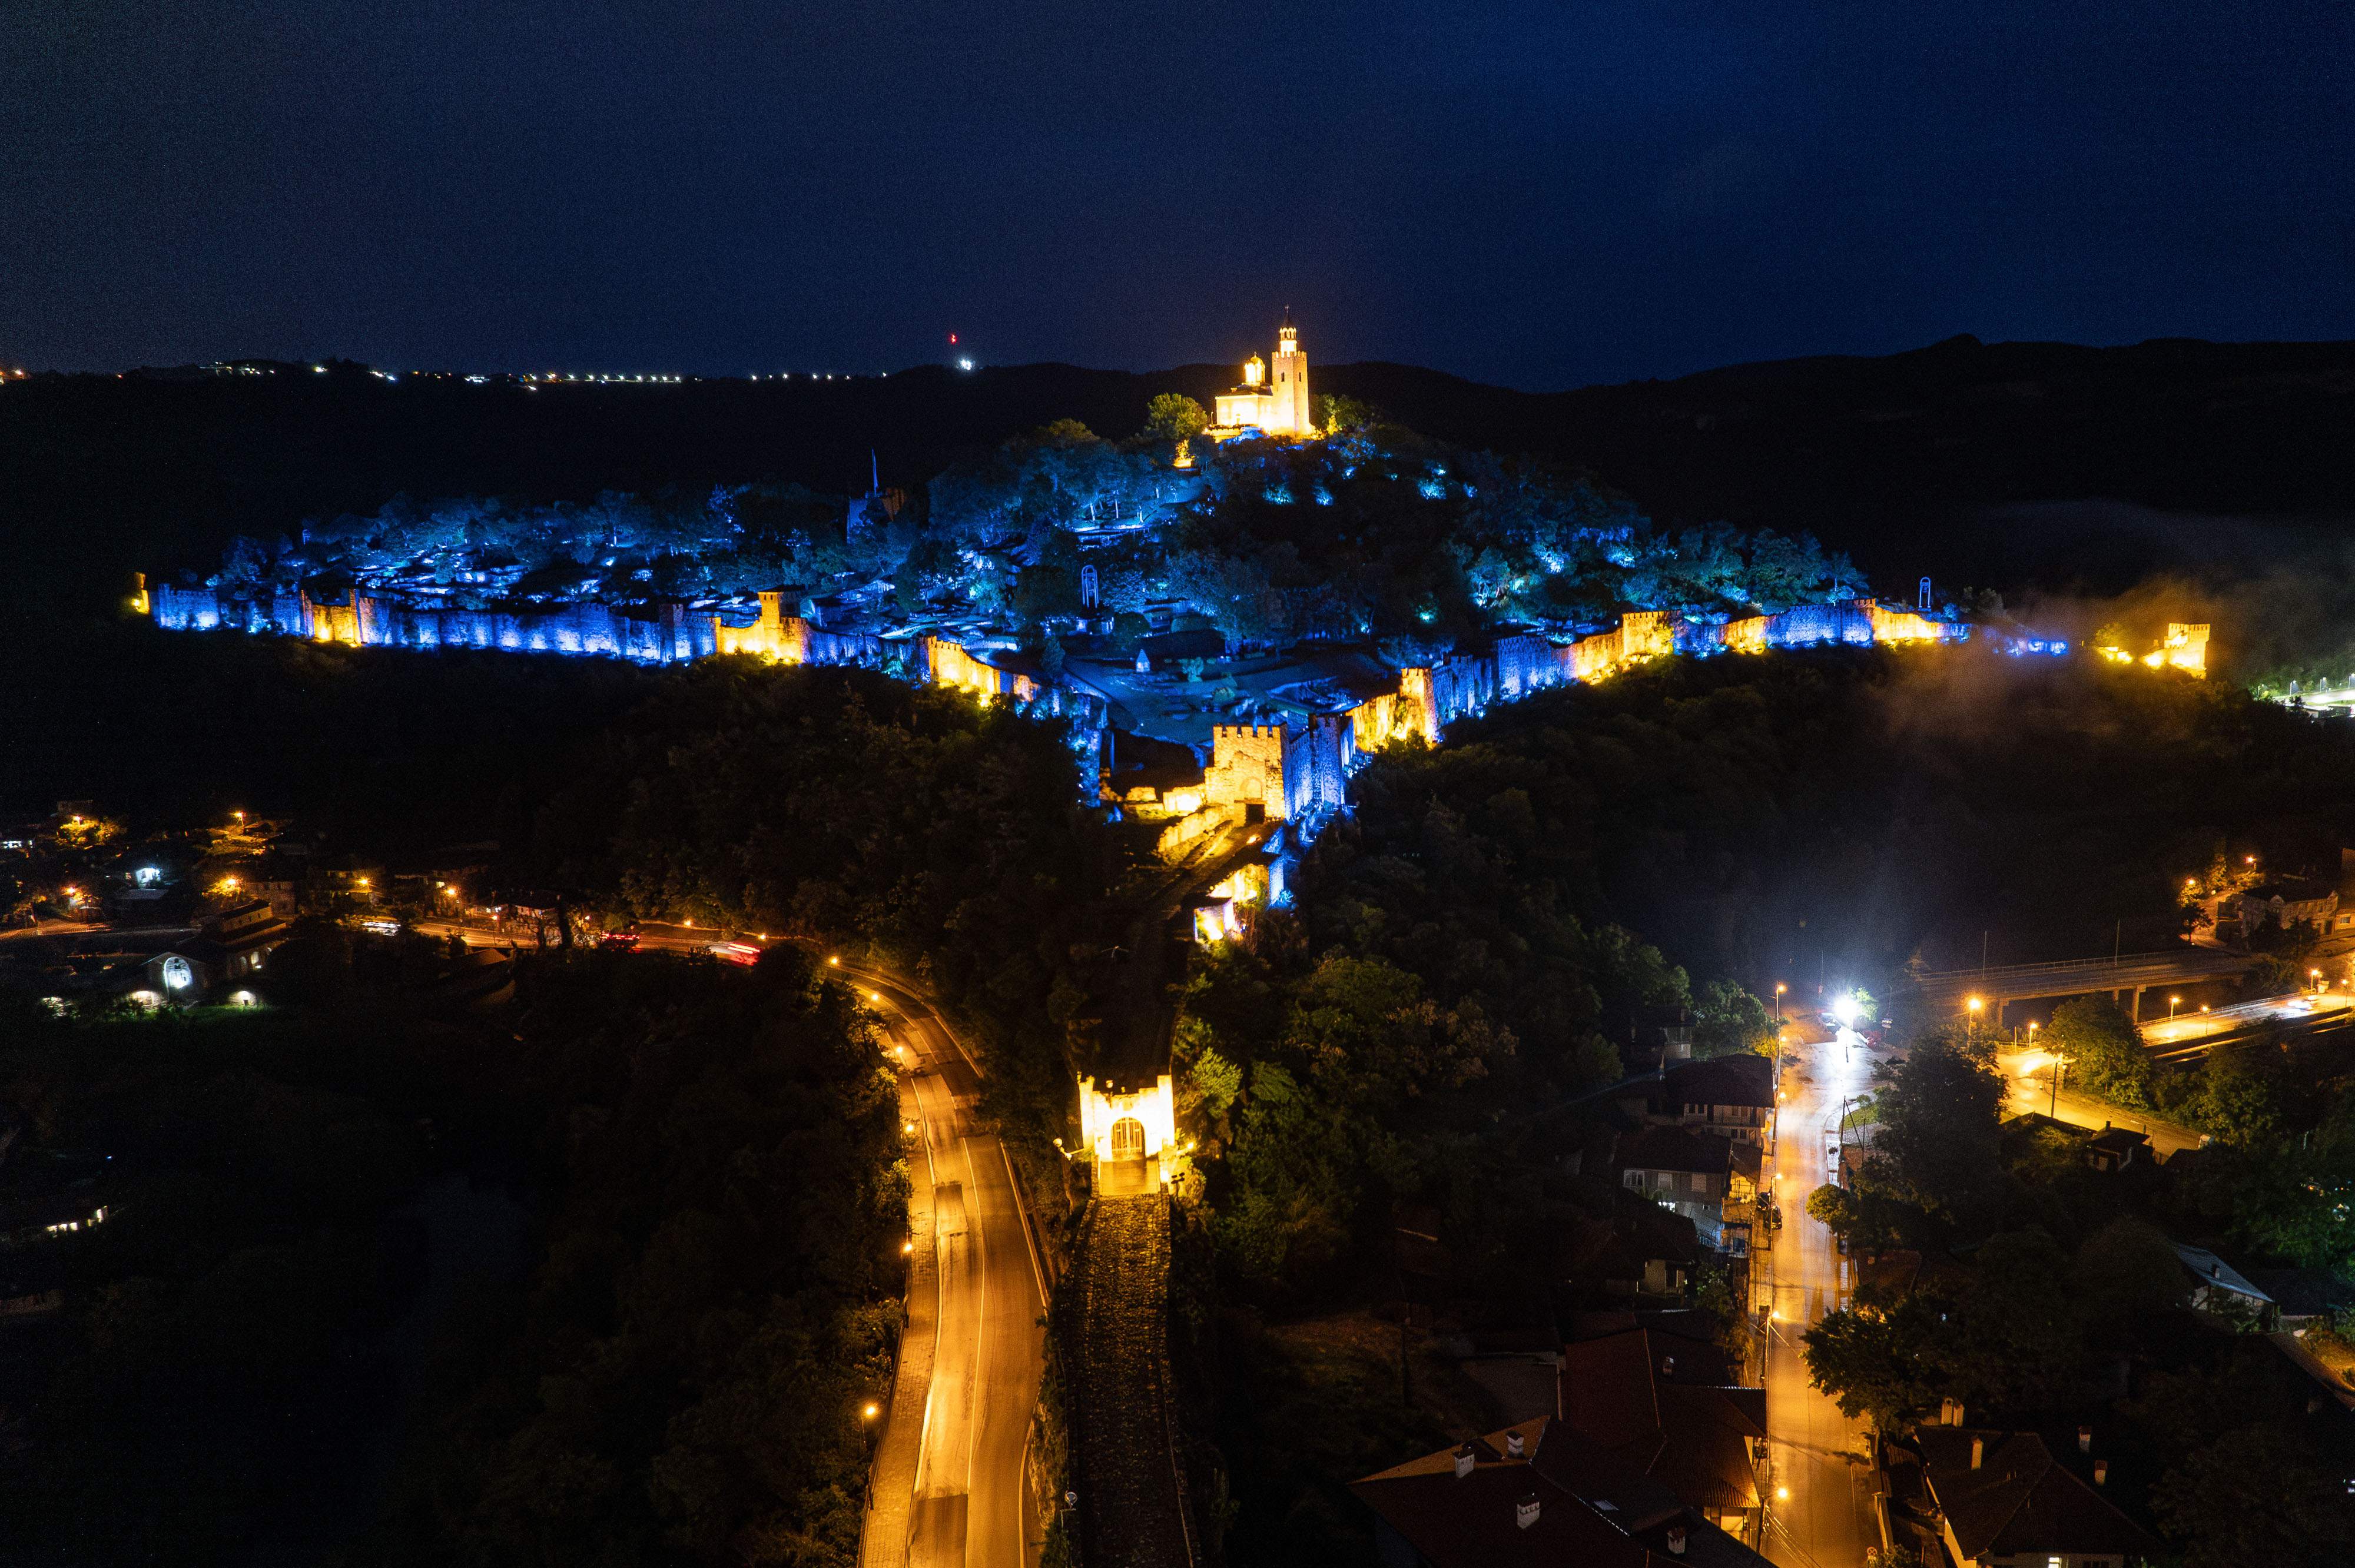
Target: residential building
x=1694, y=1172
x=2218, y=1287
x=1536, y=1495
x=2303, y=1296
x=2116, y=1148
x=2002, y=1501
x=1643, y=1251
x=1668, y=1408
x=1732, y=1096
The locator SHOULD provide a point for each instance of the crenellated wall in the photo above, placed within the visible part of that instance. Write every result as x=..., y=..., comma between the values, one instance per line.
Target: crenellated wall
x=1246, y=768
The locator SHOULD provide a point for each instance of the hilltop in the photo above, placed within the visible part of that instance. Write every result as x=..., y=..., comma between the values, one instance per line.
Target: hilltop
x=1904, y=459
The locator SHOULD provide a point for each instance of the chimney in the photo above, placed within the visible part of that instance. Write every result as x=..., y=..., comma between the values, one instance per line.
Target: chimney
x=2101, y=1472
x=1524, y=1513
x=2084, y=1439
x=1514, y=1446
x=1464, y=1462
x=1978, y=1452
x=1676, y=1540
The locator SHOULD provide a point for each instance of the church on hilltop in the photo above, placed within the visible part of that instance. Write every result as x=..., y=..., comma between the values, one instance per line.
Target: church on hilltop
x=1274, y=401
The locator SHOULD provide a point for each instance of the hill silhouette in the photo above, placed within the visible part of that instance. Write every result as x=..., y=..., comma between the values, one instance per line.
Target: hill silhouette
x=1939, y=460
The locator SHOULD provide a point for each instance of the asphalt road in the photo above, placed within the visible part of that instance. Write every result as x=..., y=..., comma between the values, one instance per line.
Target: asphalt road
x=1826, y=1519
x=956, y=1440
x=2032, y=1091
x=973, y=1428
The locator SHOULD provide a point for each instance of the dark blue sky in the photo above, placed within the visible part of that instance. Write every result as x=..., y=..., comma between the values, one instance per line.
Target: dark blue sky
x=1543, y=195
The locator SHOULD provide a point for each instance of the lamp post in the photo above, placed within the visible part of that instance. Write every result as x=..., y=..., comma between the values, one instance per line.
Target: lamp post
x=2058, y=1061
x=2316, y=976
x=1779, y=989
x=1975, y=1005
x=2173, y=1002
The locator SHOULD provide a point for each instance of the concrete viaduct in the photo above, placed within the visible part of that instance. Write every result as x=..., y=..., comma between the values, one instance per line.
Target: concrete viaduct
x=2126, y=977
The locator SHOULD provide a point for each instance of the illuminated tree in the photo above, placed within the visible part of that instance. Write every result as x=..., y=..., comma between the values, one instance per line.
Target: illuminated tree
x=1174, y=416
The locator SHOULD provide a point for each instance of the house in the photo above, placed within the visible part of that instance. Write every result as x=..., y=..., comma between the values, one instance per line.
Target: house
x=1693, y=1172
x=1536, y=1495
x=1668, y=1408
x=1642, y=1251
x=1900, y=1272
x=2281, y=903
x=352, y=875
x=2115, y=1149
x=2303, y=1296
x=1732, y=1096
x=1660, y=1032
x=2218, y=1287
x=2002, y=1500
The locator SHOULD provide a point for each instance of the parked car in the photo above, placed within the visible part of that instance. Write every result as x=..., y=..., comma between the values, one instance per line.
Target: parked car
x=625, y=940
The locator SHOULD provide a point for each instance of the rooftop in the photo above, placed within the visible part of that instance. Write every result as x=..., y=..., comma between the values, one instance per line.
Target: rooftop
x=2019, y=1500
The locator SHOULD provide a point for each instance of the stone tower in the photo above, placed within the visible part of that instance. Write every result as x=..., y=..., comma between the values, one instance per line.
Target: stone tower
x=1288, y=384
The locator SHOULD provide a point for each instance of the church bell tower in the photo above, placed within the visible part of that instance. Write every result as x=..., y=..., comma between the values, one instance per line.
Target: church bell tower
x=1288, y=383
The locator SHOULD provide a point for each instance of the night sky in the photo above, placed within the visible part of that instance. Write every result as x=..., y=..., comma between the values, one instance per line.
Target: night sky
x=1543, y=195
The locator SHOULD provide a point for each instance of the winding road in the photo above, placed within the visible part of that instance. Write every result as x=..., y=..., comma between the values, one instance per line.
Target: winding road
x=950, y=1486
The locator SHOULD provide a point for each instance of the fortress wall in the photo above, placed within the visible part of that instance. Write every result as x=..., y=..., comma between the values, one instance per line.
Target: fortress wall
x=1246, y=768
x=1318, y=757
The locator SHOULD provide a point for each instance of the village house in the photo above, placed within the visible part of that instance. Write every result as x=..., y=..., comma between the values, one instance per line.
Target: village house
x=1697, y=1174
x=1536, y=1495
x=1732, y=1096
x=1669, y=1409
x=2002, y=1501
x=2217, y=1286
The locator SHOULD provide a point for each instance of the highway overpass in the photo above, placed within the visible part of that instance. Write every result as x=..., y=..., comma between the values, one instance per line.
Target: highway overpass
x=2127, y=977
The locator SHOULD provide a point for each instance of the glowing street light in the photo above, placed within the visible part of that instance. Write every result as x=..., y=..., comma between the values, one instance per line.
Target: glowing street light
x=1779, y=989
x=1845, y=1009
x=2173, y=1002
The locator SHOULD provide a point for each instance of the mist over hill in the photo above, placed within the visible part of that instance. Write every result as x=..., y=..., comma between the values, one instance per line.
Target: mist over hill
x=2022, y=466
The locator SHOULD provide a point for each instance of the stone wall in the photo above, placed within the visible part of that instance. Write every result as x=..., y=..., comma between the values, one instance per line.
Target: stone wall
x=1246, y=768
x=1132, y=1506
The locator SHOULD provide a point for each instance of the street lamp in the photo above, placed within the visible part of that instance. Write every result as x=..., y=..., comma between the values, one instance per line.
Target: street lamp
x=2316, y=976
x=1779, y=989
x=1975, y=1005
x=2173, y=1002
